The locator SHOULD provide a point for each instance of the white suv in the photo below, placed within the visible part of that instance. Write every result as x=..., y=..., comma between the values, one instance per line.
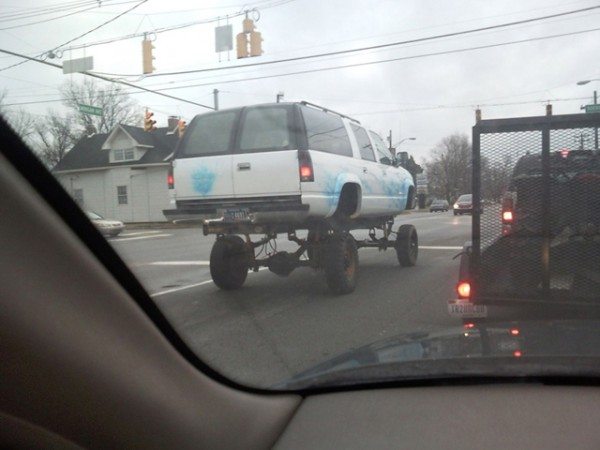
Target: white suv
x=285, y=162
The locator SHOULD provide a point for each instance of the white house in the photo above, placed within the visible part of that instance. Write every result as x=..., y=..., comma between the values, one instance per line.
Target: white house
x=121, y=175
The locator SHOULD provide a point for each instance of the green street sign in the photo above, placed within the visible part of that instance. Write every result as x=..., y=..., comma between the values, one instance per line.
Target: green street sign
x=94, y=110
x=592, y=108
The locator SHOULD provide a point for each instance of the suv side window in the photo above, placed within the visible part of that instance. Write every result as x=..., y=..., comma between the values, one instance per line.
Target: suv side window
x=326, y=132
x=364, y=144
x=383, y=153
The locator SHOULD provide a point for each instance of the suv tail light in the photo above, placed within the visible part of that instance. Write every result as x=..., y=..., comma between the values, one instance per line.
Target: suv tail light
x=305, y=166
x=170, y=178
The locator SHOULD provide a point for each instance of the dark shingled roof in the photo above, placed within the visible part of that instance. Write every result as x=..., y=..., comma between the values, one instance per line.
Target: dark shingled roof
x=88, y=153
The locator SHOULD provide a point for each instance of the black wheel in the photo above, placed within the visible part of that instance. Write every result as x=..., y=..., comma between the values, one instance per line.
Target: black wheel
x=407, y=245
x=340, y=262
x=229, y=262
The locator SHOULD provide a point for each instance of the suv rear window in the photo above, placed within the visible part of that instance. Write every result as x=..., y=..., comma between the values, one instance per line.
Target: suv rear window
x=210, y=134
x=266, y=129
x=326, y=132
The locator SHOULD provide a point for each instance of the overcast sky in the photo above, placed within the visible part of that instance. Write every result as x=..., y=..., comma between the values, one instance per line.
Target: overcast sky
x=427, y=97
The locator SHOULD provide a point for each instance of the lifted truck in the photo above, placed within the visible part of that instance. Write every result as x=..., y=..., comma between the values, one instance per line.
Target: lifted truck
x=280, y=168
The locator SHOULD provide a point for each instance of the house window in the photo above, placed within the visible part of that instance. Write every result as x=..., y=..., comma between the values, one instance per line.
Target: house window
x=78, y=196
x=124, y=154
x=122, y=195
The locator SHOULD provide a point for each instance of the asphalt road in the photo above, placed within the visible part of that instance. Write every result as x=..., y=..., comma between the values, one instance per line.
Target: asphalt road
x=275, y=327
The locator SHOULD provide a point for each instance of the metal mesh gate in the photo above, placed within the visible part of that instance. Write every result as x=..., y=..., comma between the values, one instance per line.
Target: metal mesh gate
x=536, y=209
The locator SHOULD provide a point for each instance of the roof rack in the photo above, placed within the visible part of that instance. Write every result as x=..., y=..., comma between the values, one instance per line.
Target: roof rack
x=328, y=110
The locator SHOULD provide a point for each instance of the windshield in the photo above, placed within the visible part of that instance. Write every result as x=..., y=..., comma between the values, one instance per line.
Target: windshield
x=307, y=188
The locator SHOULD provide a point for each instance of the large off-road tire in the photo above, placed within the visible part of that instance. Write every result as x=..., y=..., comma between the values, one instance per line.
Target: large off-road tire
x=407, y=245
x=229, y=262
x=340, y=263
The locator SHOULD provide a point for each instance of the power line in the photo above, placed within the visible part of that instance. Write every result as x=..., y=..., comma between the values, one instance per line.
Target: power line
x=84, y=34
x=372, y=47
x=11, y=17
x=58, y=17
x=93, y=75
x=403, y=58
x=174, y=27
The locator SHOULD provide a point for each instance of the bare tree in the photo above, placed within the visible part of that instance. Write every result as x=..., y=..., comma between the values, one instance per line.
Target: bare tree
x=117, y=106
x=20, y=120
x=55, y=136
x=449, y=171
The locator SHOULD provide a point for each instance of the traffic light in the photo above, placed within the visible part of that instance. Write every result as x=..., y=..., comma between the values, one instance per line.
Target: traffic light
x=181, y=125
x=147, y=56
x=149, y=122
x=255, y=43
x=249, y=42
x=242, y=45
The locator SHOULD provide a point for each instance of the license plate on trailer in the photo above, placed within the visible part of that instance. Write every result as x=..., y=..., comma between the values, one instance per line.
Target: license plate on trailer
x=466, y=310
x=236, y=215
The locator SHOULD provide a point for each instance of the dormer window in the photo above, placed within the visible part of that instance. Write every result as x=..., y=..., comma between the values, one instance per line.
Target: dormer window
x=124, y=154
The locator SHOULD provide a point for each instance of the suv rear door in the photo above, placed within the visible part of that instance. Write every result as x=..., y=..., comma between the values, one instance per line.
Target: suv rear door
x=265, y=161
x=202, y=167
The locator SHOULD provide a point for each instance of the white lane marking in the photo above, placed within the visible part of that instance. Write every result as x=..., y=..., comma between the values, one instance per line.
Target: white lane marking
x=139, y=233
x=140, y=237
x=439, y=247
x=177, y=263
x=188, y=286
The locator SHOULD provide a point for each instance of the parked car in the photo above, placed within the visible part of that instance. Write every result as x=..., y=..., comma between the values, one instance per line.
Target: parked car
x=107, y=227
x=439, y=205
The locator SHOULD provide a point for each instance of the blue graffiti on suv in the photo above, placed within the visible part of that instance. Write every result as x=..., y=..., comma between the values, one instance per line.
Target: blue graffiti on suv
x=203, y=180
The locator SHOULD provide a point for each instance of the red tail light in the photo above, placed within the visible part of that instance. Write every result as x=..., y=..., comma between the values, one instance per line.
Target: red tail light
x=464, y=289
x=170, y=178
x=507, y=210
x=305, y=166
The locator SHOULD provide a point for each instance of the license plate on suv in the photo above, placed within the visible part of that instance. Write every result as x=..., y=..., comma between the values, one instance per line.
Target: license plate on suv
x=236, y=215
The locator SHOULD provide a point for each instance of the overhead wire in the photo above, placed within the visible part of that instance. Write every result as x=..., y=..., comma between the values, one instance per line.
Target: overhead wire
x=61, y=17
x=362, y=49
x=174, y=27
x=106, y=22
x=11, y=17
x=93, y=75
x=368, y=63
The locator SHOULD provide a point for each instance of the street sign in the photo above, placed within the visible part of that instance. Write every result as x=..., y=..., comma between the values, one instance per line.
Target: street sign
x=92, y=110
x=223, y=38
x=78, y=65
x=592, y=108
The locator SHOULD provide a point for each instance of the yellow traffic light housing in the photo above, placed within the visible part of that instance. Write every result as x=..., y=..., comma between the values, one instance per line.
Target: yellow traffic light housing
x=242, y=45
x=249, y=42
x=149, y=122
x=255, y=43
x=147, y=56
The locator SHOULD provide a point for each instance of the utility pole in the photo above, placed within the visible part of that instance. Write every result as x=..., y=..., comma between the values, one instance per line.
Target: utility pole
x=216, y=98
x=596, y=128
x=279, y=97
